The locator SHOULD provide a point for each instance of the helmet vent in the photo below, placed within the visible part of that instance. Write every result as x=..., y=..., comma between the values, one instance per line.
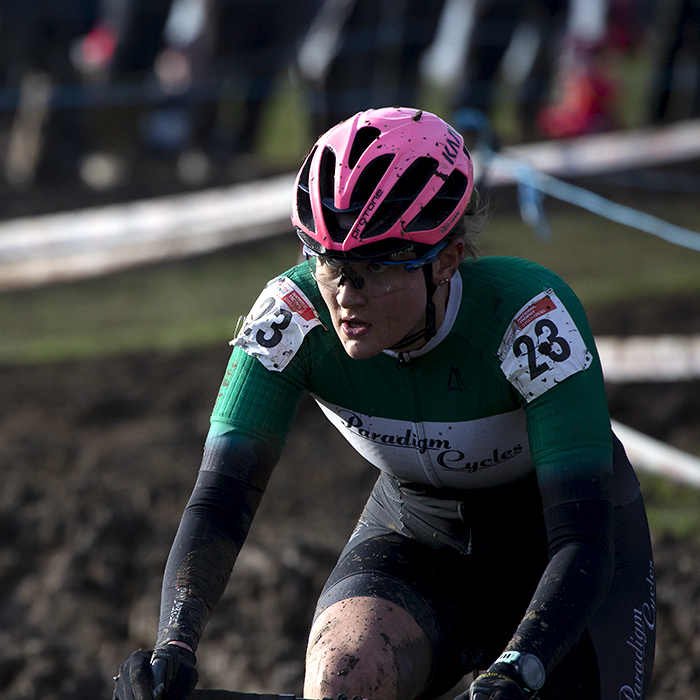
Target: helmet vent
x=368, y=180
x=326, y=185
x=442, y=205
x=363, y=139
x=326, y=174
x=401, y=196
x=304, y=211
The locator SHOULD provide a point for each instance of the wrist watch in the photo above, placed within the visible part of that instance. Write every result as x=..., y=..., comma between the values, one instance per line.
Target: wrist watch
x=527, y=667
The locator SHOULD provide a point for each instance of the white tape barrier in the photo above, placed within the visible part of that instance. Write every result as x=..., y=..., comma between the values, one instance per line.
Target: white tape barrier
x=73, y=245
x=601, y=153
x=663, y=358
x=653, y=359
x=657, y=457
x=79, y=244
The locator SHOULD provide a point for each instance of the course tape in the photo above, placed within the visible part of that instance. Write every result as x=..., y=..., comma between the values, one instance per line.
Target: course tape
x=533, y=181
x=653, y=359
x=656, y=457
x=74, y=245
x=662, y=358
x=593, y=154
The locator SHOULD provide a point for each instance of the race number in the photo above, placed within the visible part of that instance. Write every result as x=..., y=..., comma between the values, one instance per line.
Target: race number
x=542, y=346
x=274, y=329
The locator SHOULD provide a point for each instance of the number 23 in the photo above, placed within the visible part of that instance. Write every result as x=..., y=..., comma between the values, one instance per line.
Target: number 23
x=525, y=344
x=276, y=327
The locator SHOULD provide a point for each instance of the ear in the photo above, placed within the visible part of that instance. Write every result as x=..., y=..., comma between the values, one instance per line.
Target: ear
x=448, y=261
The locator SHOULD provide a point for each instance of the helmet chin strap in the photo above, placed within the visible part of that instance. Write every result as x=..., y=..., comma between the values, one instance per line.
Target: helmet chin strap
x=430, y=328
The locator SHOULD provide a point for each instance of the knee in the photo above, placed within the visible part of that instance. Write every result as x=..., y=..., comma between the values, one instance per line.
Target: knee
x=367, y=647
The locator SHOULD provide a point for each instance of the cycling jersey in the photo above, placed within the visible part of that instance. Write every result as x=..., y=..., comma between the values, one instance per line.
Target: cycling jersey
x=510, y=388
x=472, y=408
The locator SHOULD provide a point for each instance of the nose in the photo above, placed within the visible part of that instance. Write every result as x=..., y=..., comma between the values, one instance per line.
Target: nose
x=347, y=294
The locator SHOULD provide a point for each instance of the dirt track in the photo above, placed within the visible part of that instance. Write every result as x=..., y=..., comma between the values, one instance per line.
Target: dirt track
x=99, y=458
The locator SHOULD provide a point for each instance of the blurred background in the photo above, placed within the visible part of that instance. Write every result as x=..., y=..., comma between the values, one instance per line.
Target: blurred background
x=146, y=151
x=138, y=98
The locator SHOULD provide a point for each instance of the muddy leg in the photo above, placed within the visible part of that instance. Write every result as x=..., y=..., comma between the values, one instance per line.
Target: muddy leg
x=368, y=647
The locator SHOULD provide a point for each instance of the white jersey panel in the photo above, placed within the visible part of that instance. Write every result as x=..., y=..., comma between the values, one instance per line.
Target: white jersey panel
x=470, y=454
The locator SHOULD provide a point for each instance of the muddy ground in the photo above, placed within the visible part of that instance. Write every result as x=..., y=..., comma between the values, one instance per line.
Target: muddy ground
x=98, y=459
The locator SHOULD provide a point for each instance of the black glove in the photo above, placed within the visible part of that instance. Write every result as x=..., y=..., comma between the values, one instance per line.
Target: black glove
x=513, y=676
x=174, y=666
x=494, y=686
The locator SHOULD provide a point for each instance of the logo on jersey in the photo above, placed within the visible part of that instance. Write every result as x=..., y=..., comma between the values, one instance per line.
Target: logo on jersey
x=274, y=329
x=446, y=455
x=460, y=454
x=542, y=346
x=644, y=625
x=455, y=382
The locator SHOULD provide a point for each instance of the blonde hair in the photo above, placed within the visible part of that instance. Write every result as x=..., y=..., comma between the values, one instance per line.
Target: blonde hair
x=470, y=227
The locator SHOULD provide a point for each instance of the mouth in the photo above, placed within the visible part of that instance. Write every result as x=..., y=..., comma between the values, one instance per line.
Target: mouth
x=354, y=327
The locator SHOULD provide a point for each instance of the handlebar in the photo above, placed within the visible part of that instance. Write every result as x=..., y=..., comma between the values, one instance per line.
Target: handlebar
x=200, y=694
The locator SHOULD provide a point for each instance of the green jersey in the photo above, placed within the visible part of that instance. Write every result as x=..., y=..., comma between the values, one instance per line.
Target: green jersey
x=511, y=379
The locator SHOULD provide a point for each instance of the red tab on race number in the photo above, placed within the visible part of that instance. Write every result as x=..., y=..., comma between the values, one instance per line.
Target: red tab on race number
x=274, y=329
x=542, y=346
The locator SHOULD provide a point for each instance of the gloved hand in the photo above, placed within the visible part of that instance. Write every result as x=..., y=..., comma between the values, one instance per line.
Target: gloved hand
x=494, y=686
x=513, y=676
x=174, y=667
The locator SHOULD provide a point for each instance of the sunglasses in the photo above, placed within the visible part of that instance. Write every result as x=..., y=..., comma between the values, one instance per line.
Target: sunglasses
x=372, y=277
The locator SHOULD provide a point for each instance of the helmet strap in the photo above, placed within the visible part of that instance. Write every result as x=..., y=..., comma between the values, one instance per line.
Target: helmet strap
x=430, y=315
x=430, y=329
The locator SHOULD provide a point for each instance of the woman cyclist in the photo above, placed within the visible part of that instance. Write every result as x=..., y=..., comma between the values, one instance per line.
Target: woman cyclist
x=506, y=531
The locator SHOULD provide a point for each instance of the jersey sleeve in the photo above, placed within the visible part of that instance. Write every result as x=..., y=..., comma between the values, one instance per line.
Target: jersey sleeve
x=255, y=402
x=569, y=410
x=536, y=331
x=269, y=365
x=545, y=350
x=252, y=416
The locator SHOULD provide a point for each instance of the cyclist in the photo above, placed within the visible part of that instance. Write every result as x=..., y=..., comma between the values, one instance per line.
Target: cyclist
x=506, y=531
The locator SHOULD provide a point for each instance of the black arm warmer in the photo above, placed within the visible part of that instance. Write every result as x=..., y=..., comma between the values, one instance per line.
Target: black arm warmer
x=579, y=521
x=212, y=530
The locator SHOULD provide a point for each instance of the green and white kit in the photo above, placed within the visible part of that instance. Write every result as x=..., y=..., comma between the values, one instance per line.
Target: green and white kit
x=477, y=406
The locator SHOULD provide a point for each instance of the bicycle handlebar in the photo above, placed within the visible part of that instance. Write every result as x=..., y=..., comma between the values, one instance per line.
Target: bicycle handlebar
x=200, y=694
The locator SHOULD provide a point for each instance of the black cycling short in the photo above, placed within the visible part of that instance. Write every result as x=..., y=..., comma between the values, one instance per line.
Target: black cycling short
x=466, y=569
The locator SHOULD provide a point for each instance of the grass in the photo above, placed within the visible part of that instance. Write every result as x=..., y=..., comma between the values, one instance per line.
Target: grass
x=604, y=261
x=673, y=509
x=197, y=302
x=175, y=305
x=287, y=129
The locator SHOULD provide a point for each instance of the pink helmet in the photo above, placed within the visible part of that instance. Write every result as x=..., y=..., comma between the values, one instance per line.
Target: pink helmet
x=391, y=177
